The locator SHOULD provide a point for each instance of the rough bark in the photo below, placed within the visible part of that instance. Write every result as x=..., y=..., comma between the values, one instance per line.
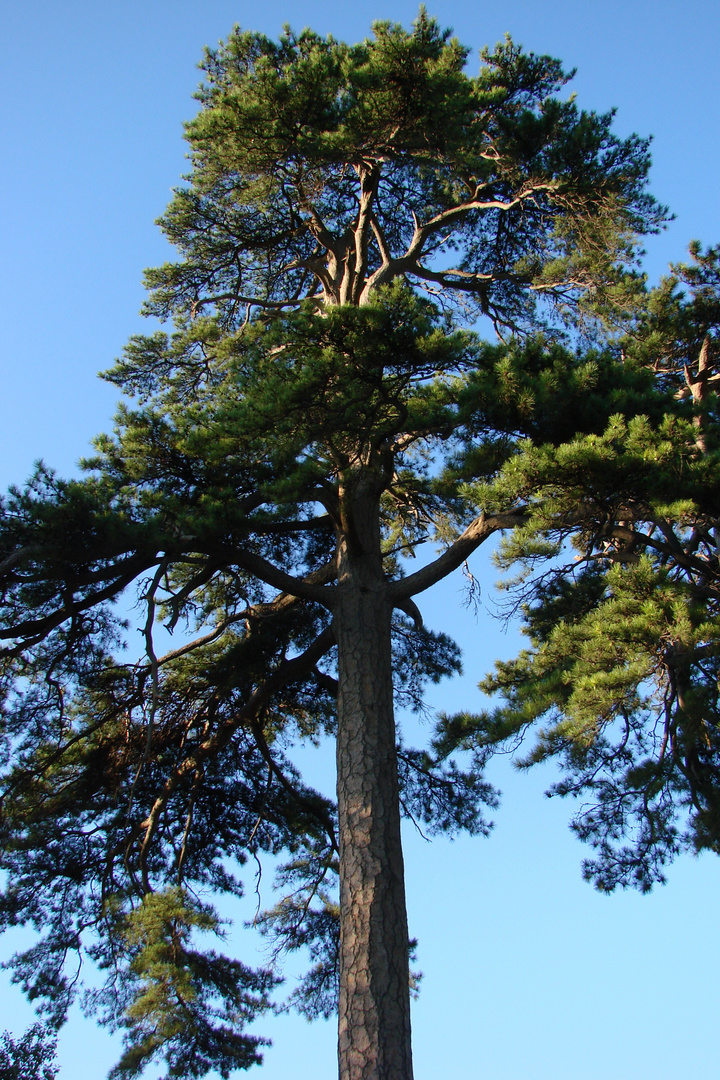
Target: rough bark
x=374, y=1007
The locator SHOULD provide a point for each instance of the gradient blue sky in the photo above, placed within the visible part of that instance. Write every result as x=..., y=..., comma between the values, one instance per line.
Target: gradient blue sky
x=529, y=974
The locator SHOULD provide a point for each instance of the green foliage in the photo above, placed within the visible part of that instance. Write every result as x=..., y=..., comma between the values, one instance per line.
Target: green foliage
x=189, y=1006
x=525, y=194
x=621, y=677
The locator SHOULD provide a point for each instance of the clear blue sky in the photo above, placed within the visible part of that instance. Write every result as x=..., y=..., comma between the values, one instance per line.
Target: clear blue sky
x=529, y=975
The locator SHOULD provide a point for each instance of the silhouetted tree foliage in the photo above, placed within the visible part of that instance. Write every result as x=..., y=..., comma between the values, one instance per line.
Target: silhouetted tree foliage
x=30, y=1057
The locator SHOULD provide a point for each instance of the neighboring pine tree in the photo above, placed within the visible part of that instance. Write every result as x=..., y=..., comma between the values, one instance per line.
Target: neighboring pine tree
x=621, y=680
x=315, y=415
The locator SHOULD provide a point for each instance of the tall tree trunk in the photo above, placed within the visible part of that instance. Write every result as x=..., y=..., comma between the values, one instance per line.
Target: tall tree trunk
x=374, y=1008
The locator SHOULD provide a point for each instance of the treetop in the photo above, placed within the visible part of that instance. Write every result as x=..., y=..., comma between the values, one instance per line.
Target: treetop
x=322, y=171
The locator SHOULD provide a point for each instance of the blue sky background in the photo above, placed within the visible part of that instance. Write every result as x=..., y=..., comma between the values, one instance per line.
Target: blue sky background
x=529, y=974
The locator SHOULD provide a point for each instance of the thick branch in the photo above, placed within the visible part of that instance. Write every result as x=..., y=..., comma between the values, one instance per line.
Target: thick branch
x=369, y=180
x=239, y=298
x=410, y=608
x=409, y=262
x=318, y=228
x=463, y=279
x=303, y=588
x=447, y=217
x=19, y=556
x=34, y=630
x=476, y=533
x=383, y=248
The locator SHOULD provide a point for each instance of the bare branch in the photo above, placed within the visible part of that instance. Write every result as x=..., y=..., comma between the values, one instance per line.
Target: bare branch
x=34, y=630
x=316, y=810
x=150, y=650
x=288, y=672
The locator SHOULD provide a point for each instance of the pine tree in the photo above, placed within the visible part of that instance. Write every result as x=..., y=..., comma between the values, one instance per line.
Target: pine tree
x=316, y=413
x=619, y=581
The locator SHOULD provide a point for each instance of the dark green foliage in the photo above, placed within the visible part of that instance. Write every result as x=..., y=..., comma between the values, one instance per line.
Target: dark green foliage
x=31, y=1057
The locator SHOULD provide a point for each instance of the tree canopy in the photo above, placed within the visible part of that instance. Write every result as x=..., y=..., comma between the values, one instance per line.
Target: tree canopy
x=317, y=410
x=618, y=586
